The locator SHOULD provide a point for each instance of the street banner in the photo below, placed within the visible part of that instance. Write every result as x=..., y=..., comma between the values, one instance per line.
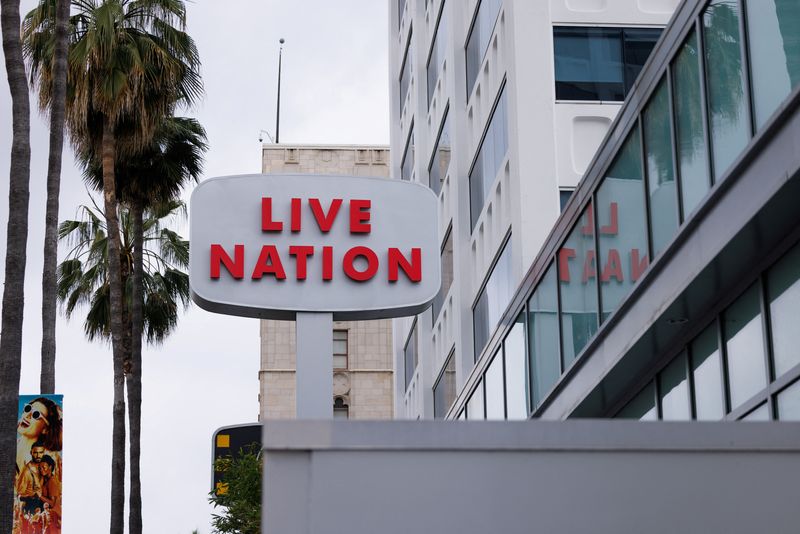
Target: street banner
x=37, y=484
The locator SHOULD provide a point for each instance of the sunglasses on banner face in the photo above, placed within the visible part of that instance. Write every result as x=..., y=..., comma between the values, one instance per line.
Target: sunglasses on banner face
x=35, y=414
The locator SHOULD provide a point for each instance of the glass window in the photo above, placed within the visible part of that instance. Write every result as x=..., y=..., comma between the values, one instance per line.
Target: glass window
x=405, y=72
x=692, y=150
x=774, y=39
x=340, y=349
x=723, y=61
x=577, y=275
x=514, y=350
x=438, y=49
x=759, y=414
x=642, y=406
x=563, y=197
x=621, y=225
x=340, y=409
x=401, y=5
x=707, y=376
x=491, y=153
x=673, y=387
x=745, y=347
x=543, y=349
x=407, y=165
x=783, y=290
x=493, y=300
x=440, y=162
x=447, y=275
x=599, y=63
x=475, y=404
x=637, y=44
x=479, y=36
x=444, y=392
x=410, y=355
x=660, y=172
x=789, y=403
x=495, y=395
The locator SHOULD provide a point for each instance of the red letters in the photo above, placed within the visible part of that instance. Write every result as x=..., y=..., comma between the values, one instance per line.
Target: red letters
x=589, y=270
x=296, y=215
x=267, y=224
x=325, y=220
x=612, y=228
x=235, y=267
x=349, y=267
x=413, y=269
x=359, y=215
x=638, y=267
x=327, y=263
x=613, y=267
x=301, y=254
x=269, y=262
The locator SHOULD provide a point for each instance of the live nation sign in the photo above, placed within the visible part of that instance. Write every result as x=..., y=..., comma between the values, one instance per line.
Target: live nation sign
x=270, y=246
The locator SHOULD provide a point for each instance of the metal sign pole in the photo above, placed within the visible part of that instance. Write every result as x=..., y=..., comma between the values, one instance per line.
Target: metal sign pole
x=314, y=357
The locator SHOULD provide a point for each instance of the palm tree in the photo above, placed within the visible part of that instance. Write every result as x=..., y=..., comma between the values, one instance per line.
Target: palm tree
x=83, y=276
x=130, y=61
x=53, y=94
x=16, y=241
x=156, y=174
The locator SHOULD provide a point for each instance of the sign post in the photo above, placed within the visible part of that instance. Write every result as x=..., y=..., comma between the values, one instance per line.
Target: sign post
x=314, y=249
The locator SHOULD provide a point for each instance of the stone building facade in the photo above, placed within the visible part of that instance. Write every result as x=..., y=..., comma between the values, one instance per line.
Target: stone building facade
x=361, y=367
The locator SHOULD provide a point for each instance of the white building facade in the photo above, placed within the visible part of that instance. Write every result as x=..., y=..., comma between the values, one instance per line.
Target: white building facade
x=499, y=106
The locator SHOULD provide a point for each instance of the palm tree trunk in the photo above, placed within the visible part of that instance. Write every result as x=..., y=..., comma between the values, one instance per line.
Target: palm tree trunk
x=16, y=240
x=48, y=375
x=117, y=333
x=134, y=377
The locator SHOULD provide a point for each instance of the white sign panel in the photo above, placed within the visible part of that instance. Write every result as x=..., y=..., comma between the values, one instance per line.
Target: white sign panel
x=272, y=245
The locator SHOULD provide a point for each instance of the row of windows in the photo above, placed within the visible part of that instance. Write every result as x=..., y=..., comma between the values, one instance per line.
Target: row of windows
x=437, y=53
x=727, y=368
x=599, y=63
x=480, y=34
x=662, y=173
x=490, y=155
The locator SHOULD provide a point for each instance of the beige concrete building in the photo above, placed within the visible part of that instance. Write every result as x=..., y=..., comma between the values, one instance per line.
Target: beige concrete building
x=361, y=366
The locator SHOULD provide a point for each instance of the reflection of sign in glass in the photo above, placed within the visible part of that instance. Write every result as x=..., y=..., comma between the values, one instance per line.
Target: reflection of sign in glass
x=37, y=483
x=271, y=246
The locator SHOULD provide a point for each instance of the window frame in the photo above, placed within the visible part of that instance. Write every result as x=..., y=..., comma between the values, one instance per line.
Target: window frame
x=346, y=353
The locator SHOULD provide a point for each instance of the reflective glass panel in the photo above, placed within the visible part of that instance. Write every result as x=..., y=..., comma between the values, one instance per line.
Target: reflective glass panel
x=723, y=61
x=405, y=73
x=577, y=276
x=543, y=349
x=410, y=355
x=692, y=150
x=637, y=45
x=622, y=225
x=783, y=289
x=789, y=403
x=563, y=197
x=514, y=349
x=495, y=396
x=660, y=171
x=774, y=39
x=447, y=275
x=440, y=163
x=745, y=347
x=444, y=392
x=475, y=404
x=493, y=300
x=407, y=166
x=759, y=414
x=437, y=53
x=588, y=63
x=674, y=390
x=707, y=376
x=479, y=37
x=491, y=154
x=642, y=406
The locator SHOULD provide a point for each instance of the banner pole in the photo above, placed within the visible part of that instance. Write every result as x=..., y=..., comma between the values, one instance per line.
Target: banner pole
x=314, y=358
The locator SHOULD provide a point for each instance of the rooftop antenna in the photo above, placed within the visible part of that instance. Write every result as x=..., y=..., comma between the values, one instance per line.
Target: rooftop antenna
x=278, y=114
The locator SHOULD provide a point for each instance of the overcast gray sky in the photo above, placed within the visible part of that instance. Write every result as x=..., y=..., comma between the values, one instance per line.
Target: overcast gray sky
x=334, y=90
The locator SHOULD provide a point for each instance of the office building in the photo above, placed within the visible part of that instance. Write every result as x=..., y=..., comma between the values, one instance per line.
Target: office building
x=361, y=362
x=498, y=106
